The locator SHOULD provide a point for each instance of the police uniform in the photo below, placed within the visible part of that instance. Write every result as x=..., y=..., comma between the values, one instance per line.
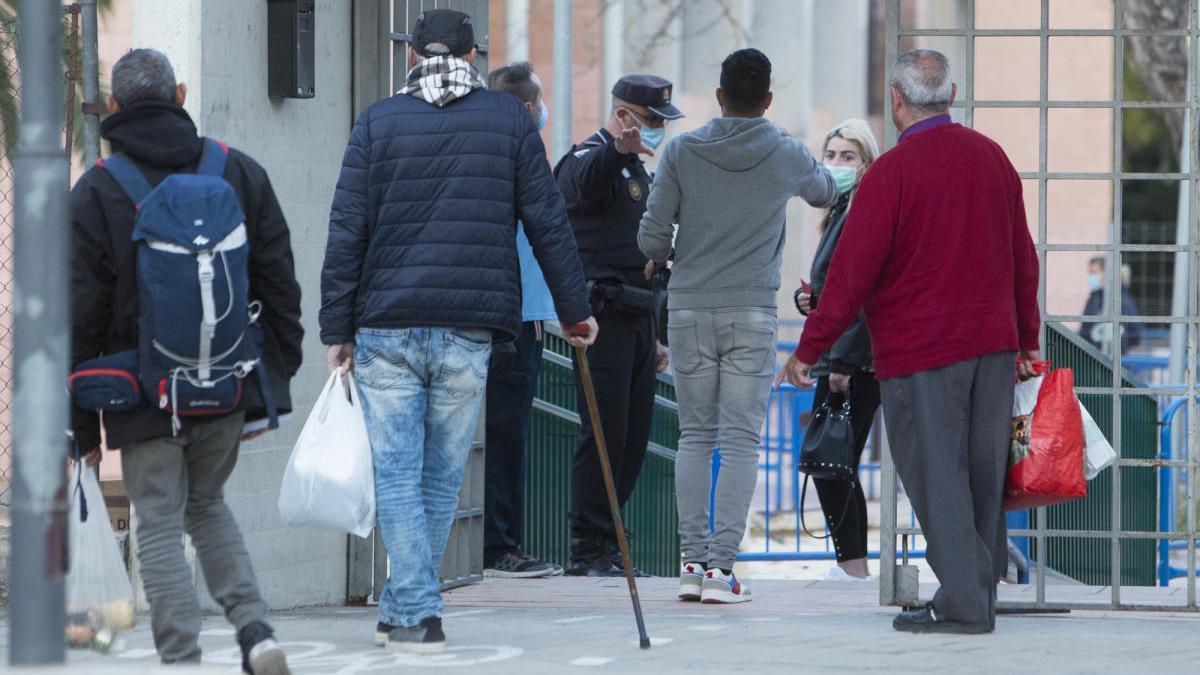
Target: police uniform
x=605, y=193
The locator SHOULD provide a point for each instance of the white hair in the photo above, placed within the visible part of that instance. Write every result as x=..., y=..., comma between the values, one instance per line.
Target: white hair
x=922, y=76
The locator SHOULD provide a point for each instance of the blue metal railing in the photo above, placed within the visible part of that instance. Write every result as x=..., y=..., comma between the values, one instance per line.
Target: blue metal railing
x=1166, y=496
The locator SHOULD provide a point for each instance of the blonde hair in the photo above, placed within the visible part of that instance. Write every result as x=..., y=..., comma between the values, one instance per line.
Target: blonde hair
x=859, y=133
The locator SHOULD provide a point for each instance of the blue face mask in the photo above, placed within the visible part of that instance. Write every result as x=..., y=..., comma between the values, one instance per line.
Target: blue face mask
x=653, y=137
x=545, y=116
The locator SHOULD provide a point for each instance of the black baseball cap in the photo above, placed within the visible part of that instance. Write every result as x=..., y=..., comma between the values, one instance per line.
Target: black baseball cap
x=441, y=32
x=649, y=91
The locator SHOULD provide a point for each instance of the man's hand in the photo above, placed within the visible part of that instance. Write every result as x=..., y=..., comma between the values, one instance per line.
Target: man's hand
x=804, y=303
x=582, y=334
x=246, y=438
x=340, y=356
x=652, y=267
x=92, y=458
x=839, y=383
x=663, y=359
x=629, y=142
x=795, y=372
x=1025, y=361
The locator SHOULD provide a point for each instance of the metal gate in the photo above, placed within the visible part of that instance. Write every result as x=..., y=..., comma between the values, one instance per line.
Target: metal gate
x=1096, y=103
x=382, y=33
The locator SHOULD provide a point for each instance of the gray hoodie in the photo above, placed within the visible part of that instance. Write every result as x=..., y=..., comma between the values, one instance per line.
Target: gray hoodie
x=727, y=185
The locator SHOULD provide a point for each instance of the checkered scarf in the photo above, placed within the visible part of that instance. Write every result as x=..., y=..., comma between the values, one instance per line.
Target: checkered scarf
x=441, y=80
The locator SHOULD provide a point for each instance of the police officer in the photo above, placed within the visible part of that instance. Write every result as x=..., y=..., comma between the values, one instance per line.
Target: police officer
x=605, y=185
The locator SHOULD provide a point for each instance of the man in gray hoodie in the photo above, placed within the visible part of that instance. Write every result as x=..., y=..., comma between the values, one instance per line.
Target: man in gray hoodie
x=727, y=185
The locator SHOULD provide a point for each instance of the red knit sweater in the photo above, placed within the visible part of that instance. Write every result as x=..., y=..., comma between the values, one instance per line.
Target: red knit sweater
x=937, y=253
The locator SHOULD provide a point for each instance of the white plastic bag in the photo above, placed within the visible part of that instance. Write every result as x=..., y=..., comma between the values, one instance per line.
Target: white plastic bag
x=1098, y=453
x=99, y=595
x=330, y=481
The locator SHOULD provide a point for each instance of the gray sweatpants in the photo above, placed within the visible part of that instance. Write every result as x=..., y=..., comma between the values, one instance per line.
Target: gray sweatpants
x=724, y=361
x=950, y=430
x=175, y=485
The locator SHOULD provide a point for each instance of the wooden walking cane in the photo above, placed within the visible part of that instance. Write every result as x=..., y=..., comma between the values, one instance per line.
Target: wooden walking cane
x=589, y=392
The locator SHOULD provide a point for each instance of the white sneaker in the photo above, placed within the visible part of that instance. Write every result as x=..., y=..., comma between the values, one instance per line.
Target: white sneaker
x=838, y=574
x=691, y=579
x=719, y=589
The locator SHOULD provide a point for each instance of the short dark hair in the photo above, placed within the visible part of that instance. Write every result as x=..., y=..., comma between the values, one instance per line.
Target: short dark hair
x=746, y=80
x=143, y=75
x=516, y=79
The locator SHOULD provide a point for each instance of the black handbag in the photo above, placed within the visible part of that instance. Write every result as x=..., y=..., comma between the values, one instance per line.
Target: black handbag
x=828, y=452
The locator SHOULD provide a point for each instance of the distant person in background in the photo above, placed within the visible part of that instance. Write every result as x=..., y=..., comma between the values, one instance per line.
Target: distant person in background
x=1100, y=334
x=846, y=369
x=511, y=384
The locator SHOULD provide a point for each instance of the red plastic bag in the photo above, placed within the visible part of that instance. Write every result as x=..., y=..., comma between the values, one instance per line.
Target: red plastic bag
x=1045, y=463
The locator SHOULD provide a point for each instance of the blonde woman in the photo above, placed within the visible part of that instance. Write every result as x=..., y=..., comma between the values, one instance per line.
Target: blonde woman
x=846, y=369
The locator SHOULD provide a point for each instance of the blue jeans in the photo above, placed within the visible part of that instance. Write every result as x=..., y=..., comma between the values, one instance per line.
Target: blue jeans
x=421, y=390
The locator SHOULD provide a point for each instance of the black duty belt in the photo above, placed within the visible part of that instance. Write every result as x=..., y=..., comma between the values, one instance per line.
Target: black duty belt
x=619, y=297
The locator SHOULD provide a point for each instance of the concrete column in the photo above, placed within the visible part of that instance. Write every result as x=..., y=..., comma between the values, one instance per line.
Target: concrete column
x=517, y=31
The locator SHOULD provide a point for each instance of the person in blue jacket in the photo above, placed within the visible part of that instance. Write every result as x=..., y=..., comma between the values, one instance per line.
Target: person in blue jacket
x=510, y=387
x=420, y=276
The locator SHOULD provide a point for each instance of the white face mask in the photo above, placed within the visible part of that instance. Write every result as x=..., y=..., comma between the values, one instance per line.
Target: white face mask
x=1095, y=282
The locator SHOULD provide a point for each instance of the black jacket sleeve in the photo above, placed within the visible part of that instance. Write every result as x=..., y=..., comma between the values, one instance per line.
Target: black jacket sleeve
x=273, y=273
x=852, y=352
x=346, y=247
x=540, y=206
x=93, y=278
x=587, y=174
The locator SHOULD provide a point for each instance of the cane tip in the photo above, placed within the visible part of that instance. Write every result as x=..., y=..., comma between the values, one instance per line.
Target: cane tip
x=645, y=643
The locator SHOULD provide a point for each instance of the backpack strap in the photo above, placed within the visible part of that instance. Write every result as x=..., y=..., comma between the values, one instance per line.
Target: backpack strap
x=212, y=159
x=128, y=176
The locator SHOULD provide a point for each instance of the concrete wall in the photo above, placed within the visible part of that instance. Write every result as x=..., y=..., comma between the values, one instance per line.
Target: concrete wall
x=220, y=50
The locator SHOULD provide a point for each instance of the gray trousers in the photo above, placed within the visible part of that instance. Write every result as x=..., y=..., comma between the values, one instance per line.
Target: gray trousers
x=949, y=430
x=175, y=485
x=724, y=361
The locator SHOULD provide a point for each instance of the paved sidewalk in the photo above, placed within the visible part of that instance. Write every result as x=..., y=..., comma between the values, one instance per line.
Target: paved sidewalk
x=580, y=625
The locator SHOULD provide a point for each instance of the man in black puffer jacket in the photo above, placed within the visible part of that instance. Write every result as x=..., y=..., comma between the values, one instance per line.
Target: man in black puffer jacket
x=421, y=274
x=175, y=480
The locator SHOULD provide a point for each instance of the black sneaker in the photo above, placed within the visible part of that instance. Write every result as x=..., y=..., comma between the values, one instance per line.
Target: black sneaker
x=515, y=565
x=382, y=631
x=424, y=638
x=926, y=620
x=261, y=655
x=614, y=556
x=590, y=558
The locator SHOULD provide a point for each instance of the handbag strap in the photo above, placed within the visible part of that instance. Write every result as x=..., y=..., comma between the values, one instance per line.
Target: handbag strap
x=841, y=519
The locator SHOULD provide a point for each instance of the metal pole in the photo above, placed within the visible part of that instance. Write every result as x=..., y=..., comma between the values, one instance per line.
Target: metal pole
x=563, y=62
x=91, y=83
x=41, y=341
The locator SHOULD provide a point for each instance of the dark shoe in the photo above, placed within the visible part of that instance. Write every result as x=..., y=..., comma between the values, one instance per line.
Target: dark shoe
x=261, y=655
x=926, y=620
x=424, y=638
x=382, y=631
x=516, y=565
x=614, y=556
x=596, y=567
x=590, y=557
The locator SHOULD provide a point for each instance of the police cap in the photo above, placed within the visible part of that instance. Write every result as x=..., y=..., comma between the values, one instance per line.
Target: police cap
x=649, y=91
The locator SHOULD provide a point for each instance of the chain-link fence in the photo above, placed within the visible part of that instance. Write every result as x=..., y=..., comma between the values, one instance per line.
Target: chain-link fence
x=9, y=100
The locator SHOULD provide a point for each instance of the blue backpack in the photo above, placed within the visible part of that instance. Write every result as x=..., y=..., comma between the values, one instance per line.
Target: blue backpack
x=198, y=336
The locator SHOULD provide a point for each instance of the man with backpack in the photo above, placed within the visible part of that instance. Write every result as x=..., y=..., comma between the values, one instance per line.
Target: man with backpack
x=185, y=300
x=421, y=274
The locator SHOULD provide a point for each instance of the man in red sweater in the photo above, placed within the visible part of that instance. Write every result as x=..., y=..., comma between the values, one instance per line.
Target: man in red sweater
x=937, y=253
